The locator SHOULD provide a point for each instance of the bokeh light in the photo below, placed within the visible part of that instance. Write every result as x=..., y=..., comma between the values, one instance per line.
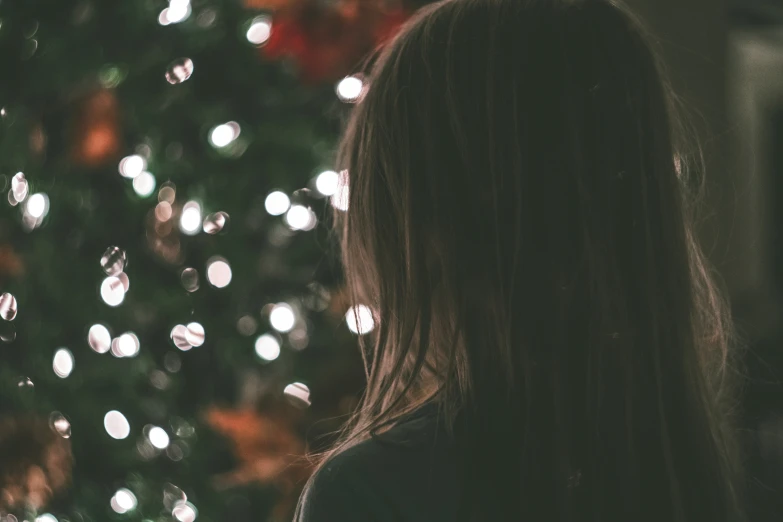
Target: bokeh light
x=260, y=30
x=19, y=188
x=37, y=206
x=300, y=217
x=282, y=317
x=189, y=279
x=62, y=363
x=116, y=425
x=158, y=437
x=123, y=501
x=99, y=338
x=179, y=70
x=215, y=222
x=222, y=135
x=179, y=336
x=112, y=291
x=360, y=319
x=128, y=345
x=277, y=203
x=144, y=184
x=267, y=347
x=194, y=334
x=7, y=306
x=113, y=260
x=350, y=89
x=184, y=512
x=327, y=182
x=131, y=166
x=60, y=425
x=218, y=272
x=190, y=221
x=297, y=394
x=46, y=517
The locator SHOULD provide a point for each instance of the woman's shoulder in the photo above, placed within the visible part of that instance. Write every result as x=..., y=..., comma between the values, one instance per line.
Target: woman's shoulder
x=392, y=476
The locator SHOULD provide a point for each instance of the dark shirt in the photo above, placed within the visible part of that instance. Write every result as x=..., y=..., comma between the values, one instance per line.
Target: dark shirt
x=406, y=474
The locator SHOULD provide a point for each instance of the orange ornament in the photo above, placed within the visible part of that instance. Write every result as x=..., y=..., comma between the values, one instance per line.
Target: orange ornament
x=96, y=134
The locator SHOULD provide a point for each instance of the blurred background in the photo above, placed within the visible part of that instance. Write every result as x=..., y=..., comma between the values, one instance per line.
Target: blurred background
x=173, y=330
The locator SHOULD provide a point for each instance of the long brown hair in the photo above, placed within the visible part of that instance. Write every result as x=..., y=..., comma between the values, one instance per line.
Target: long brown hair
x=521, y=213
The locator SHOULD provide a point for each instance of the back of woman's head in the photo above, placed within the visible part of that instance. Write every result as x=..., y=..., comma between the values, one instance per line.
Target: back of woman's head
x=520, y=220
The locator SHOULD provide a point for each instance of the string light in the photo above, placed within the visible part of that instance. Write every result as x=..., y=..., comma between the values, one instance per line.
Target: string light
x=282, y=317
x=184, y=512
x=218, y=272
x=326, y=183
x=177, y=11
x=99, y=338
x=359, y=319
x=62, y=364
x=350, y=89
x=260, y=30
x=112, y=291
x=190, y=221
x=116, y=425
x=277, y=203
x=297, y=394
x=144, y=184
x=7, y=306
x=267, y=347
x=128, y=345
x=158, y=437
x=222, y=135
x=132, y=166
x=37, y=205
x=300, y=217
x=123, y=501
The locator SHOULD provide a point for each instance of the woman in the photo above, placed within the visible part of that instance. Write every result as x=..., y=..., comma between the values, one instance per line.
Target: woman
x=550, y=344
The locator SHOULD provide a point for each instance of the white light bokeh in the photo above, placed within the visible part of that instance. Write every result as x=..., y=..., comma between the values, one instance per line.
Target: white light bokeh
x=123, y=501
x=190, y=221
x=268, y=347
x=194, y=334
x=8, y=306
x=179, y=335
x=277, y=203
x=62, y=364
x=218, y=273
x=350, y=89
x=177, y=11
x=300, y=217
x=99, y=338
x=224, y=134
x=184, y=512
x=37, y=206
x=144, y=184
x=298, y=394
x=282, y=317
x=158, y=437
x=327, y=182
x=260, y=30
x=359, y=319
x=116, y=425
x=131, y=166
x=128, y=345
x=112, y=291
x=46, y=517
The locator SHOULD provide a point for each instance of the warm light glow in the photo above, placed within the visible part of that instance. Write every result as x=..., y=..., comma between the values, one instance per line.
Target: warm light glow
x=282, y=317
x=37, y=205
x=112, y=291
x=62, y=363
x=116, y=425
x=224, y=134
x=300, y=217
x=144, y=184
x=123, y=501
x=99, y=338
x=327, y=182
x=277, y=203
x=163, y=211
x=350, y=88
x=260, y=30
x=190, y=221
x=359, y=319
x=158, y=437
x=267, y=347
x=132, y=166
x=218, y=273
x=128, y=345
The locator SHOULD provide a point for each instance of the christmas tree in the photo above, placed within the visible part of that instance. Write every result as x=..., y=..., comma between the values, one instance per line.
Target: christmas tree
x=170, y=292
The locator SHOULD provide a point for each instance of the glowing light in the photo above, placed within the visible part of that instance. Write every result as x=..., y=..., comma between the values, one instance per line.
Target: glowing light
x=37, y=205
x=350, y=88
x=327, y=182
x=184, y=512
x=62, y=363
x=218, y=273
x=99, y=338
x=179, y=71
x=277, y=203
x=177, y=11
x=123, y=501
x=215, y=222
x=46, y=517
x=179, y=335
x=224, y=134
x=60, y=424
x=268, y=347
x=190, y=221
x=260, y=30
x=116, y=425
x=158, y=437
x=113, y=260
x=128, y=345
x=194, y=334
x=132, y=166
x=163, y=211
x=189, y=278
x=7, y=306
x=144, y=184
x=112, y=291
x=282, y=317
x=300, y=217
x=359, y=319
x=298, y=394
x=340, y=199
